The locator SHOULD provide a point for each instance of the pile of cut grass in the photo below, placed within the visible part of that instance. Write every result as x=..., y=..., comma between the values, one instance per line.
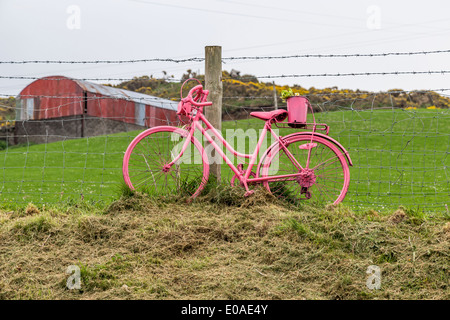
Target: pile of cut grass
x=221, y=246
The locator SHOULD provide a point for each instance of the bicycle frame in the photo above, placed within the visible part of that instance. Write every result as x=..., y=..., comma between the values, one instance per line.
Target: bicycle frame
x=325, y=172
x=243, y=177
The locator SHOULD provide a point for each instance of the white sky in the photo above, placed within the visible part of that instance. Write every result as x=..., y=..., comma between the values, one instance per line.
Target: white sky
x=139, y=29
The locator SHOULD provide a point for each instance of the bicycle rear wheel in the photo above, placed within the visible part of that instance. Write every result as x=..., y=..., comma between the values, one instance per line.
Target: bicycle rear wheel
x=145, y=164
x=323, y=179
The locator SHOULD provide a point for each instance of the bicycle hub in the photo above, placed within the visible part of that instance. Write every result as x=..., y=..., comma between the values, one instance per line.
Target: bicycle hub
x=307, y=178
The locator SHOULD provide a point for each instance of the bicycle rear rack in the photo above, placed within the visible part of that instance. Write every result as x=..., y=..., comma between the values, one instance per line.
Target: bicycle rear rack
x=304, y=126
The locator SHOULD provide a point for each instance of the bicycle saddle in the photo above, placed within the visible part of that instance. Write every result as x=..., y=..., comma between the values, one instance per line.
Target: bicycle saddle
x=277, y=115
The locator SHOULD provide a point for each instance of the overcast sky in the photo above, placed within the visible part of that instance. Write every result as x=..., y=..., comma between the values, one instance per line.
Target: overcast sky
x=141, y=29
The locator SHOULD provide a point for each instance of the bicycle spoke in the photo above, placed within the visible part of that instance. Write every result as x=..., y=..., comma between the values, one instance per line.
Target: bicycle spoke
x=326, y=165
x=325, y=193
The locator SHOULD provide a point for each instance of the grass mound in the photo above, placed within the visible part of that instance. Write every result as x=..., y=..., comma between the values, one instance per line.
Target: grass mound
x=221, y=246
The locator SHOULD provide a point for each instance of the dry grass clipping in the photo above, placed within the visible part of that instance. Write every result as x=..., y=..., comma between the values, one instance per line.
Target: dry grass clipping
x=398, y=216
x=221, y=247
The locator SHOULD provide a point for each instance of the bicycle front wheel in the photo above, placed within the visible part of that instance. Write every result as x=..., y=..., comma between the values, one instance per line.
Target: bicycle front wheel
x=146, y=163
x=323, y=177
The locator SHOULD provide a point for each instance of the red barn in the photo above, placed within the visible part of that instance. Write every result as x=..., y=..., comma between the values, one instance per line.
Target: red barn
x=56, y=107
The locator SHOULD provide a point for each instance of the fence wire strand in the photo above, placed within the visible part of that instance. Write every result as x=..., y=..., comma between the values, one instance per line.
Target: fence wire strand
x=201, y=59
x=398, y=140
x=281, y=76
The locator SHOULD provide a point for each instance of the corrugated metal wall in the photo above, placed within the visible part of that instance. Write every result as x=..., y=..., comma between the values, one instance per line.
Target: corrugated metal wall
x=46, y=98
x=57, y=96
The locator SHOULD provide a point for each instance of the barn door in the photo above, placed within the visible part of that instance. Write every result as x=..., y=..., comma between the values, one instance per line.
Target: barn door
x=30, y=109
x=25, y=109
x=139, y=113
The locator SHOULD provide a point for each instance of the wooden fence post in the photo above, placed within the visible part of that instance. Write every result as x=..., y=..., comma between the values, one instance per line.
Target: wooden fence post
x=213, y=83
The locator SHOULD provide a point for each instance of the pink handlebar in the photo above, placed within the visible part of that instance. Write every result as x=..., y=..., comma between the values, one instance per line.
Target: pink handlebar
x=200, y=104
x=200, y=90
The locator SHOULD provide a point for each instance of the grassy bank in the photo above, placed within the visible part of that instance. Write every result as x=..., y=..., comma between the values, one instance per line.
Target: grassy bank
x=222, y=246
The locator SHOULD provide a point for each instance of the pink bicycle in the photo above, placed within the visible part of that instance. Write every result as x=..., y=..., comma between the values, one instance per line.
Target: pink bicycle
x=302, y=165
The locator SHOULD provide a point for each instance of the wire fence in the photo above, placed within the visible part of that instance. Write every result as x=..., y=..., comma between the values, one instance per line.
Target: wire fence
x=69, y=146
x=400, y=154
x=201, y=59
x=281, y=76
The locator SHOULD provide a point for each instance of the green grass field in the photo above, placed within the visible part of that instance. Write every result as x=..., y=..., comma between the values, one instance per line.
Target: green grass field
x=400, y=158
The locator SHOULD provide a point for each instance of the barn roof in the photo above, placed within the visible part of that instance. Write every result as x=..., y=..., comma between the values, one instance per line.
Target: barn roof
x=127, y=95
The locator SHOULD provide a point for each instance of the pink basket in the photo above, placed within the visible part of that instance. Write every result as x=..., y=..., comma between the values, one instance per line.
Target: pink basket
x=297, y=108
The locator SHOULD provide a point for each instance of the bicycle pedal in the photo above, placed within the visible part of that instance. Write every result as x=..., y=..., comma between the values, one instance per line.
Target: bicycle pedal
x=249, y=193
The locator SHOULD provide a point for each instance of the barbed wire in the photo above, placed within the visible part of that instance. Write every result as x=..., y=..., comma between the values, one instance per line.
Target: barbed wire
x=201, y=59
x=347, y=93
x=155, y=98
x=83, y=79
x=353, y=74
x=355, y=55
x=81, y=98
x=194, y=59
x=349, y=74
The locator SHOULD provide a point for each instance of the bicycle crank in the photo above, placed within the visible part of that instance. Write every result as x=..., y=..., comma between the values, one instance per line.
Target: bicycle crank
x=235, y=180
